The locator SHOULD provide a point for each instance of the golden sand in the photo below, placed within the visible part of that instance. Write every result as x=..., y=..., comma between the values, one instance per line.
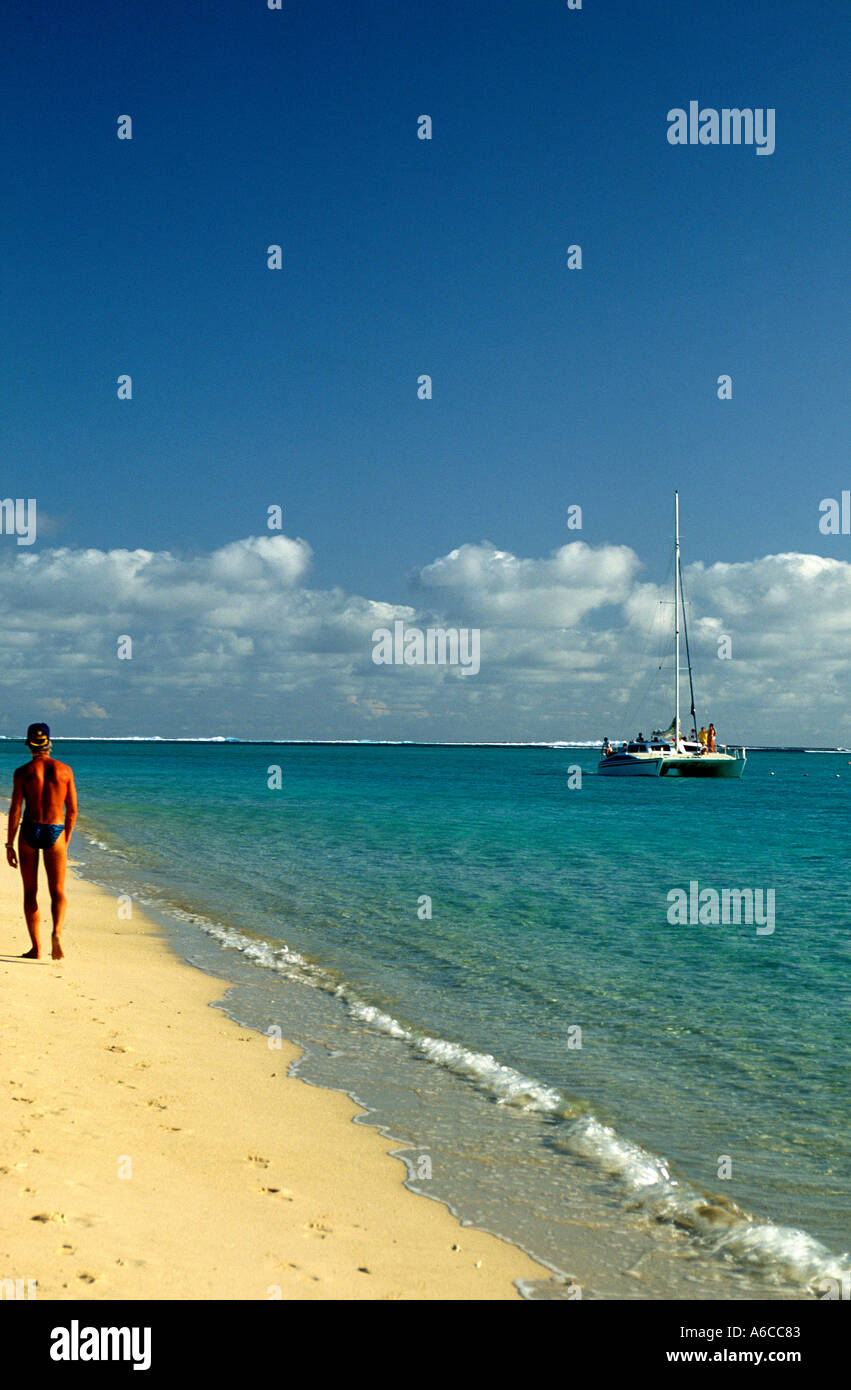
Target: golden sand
x=152, y=1148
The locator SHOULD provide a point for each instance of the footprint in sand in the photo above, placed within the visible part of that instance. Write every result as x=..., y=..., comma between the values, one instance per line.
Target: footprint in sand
x=49, y=1216
x=66, y=1249
x=258, y=1161
x=282, y=1192
x=115, y=1047
x=157, y=1104
x=315, y=1228
x=87, y=1278
x=301, y=1276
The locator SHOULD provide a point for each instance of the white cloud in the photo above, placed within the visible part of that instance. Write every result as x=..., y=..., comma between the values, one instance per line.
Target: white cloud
x=485, y=584
x=236, y=641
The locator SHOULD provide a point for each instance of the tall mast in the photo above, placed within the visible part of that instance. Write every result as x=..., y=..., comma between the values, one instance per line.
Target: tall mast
x=677, y=621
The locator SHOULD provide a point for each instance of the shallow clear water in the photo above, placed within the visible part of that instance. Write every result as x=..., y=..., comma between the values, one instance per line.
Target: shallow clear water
x=549, y=914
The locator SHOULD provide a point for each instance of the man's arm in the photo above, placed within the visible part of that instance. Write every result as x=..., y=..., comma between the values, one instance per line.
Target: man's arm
x=70, y=807
x=14, y=817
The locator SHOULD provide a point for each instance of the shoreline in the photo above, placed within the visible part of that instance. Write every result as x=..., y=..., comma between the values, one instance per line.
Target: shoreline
x=609, y=1257
x=159, y=1150
x=623, y=1261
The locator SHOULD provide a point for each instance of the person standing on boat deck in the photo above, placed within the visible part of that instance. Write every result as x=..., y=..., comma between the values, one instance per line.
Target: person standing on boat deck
x=607, y=748
x=710, y=738
x=45, y=789
x=702, y=737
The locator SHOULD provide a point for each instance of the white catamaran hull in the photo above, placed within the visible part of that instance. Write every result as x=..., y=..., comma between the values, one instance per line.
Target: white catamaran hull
x=673, y=765
x=703, y=765
x=629, y=765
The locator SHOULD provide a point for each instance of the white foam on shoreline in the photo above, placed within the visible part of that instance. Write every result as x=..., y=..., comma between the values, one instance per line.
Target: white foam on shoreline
x=780, y=1253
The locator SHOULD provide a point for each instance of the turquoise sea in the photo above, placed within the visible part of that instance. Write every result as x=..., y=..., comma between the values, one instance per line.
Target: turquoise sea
x=478, y=949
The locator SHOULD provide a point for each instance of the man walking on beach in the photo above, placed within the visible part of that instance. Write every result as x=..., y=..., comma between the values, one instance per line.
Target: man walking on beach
x=45, y=788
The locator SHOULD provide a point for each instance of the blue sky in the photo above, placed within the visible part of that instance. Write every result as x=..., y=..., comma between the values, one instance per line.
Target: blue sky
x=403, y=257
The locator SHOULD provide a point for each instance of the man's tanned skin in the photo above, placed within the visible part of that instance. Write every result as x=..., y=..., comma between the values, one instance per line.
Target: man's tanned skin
x=45, y=788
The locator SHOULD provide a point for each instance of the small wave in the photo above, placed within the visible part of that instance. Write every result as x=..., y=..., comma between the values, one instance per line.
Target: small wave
x=781, y=1253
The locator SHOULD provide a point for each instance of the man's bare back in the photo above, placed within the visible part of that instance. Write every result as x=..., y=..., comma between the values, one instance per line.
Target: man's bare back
x=44, y=789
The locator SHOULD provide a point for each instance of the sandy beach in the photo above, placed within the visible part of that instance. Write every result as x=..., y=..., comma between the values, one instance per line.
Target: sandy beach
x=154, y=1149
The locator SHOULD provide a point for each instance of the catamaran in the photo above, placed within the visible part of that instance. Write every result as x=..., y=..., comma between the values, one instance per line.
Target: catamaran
x=667, y=753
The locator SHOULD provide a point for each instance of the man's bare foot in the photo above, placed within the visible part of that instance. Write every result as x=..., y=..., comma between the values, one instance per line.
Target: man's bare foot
x=31, y=954
x=57, y=952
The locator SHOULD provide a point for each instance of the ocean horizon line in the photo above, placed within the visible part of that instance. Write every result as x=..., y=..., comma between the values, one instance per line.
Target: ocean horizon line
x=395, y=742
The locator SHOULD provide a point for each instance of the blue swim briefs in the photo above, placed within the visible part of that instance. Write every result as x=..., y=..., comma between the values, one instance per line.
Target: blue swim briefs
x=39, y=836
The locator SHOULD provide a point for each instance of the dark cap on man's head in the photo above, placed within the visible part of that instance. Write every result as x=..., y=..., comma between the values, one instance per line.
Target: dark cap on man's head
x=38, y=736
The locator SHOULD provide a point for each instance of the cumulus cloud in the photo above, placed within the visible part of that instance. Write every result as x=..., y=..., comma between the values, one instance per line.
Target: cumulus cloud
x=238, y=642
x=482, y=583
x=788, y=621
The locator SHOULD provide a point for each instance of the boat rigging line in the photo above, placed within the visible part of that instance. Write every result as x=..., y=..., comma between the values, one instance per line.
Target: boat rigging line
x=688, y=653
